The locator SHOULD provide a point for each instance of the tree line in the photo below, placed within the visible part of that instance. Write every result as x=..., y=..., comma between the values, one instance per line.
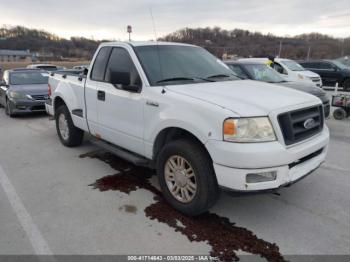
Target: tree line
x=21, y=38
x=242, y=43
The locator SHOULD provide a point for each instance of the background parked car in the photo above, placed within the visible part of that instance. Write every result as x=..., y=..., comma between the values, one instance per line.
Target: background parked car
x=331, y=71
x=291, y=71
x=24, y=91
x=46, y=67
x=262, y=72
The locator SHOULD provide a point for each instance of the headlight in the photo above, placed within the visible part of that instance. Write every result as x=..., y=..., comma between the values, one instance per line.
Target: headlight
x=18, y=95
x=301, y=77
x=248, y=130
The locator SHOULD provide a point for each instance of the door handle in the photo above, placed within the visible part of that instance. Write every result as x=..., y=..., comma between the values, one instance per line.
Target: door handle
x=101, y=95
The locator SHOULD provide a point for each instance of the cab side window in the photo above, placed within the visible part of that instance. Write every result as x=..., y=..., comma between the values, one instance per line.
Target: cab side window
x=325, y=66
x=279, y=68
x=120, y=65
x=99, y=67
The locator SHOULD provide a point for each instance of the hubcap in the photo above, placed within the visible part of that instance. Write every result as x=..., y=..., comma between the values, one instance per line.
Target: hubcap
x=180, y=179
x=63, y=126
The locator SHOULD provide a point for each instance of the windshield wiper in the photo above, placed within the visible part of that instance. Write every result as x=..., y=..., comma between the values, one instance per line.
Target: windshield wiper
x=184, y=79
x=175, y=79
x=218, y=76
x=224, y=76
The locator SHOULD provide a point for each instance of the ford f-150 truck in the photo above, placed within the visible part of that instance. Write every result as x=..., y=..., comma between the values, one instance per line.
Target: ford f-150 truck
x=178, y=109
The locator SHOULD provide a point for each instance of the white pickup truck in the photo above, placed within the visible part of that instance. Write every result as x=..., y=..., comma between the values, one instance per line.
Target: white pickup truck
x=178, y=109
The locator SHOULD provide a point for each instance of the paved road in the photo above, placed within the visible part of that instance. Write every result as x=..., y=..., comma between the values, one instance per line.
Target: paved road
x=48, y=207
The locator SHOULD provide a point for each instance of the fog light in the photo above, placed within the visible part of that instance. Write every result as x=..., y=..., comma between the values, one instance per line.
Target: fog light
x=261, y=177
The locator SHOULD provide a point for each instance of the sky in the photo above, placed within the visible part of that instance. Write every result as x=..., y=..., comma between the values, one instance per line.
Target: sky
x=108, y=19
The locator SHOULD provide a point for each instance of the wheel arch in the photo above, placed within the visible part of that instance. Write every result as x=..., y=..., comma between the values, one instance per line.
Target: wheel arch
x=58, y=101
x=170, y=134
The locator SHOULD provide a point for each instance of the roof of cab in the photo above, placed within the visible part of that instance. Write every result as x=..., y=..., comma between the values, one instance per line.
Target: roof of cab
x=242, y=62
x=146, y=43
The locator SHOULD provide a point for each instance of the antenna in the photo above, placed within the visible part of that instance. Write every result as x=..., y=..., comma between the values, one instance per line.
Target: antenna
x=154, y=24
x=156, y=39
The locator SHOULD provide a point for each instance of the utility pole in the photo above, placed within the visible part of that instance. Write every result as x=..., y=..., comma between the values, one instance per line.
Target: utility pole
x=342, y=47
x=309, y=53
x=280, y=51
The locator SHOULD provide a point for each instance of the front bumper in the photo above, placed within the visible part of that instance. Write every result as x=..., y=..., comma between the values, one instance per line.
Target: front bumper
x=26, y=106
x=234, y=161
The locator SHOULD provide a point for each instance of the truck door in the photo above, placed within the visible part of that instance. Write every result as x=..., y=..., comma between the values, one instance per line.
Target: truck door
x=93, y=80
x=120, y=109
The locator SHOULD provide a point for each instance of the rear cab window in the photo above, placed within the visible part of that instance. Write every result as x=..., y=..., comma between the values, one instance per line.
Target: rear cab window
x=100, y=64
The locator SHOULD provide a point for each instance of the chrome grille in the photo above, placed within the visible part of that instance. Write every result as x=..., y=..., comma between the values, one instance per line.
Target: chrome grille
x=40, y=97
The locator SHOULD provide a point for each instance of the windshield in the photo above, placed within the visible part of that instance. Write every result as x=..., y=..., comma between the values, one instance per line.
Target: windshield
x=171, y=65
x=344, y=60
x=339, y=64
x=28, y=78
x=292, y=65
x=262, y=72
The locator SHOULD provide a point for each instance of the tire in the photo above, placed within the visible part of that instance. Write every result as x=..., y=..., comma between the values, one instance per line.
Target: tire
x=203, y=176
x=8, y=110
x=339, y=114
x=69, y=135
x=346, y=85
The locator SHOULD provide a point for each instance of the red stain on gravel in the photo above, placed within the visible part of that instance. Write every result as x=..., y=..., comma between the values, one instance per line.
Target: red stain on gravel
x=224, y=237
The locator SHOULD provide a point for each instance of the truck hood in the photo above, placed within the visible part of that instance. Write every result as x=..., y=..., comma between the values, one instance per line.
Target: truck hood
x=245, y=97
x=41, y=89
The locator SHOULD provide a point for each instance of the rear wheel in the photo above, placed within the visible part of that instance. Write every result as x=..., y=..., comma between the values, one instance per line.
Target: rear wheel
x=346, y=85
x=69, y=135
x=187, y=178
x=339, y=114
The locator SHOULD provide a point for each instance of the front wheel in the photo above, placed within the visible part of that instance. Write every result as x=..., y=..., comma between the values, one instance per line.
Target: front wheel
x=69, y=135
x=187, y=178
x=339, y=114
x=8, y=110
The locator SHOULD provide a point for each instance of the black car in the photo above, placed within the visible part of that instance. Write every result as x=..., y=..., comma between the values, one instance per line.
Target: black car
x=262, y=72
x=24, y=91
x=331, y=72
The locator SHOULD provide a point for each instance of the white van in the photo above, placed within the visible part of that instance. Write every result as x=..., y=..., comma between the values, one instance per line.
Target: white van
x=291, y=70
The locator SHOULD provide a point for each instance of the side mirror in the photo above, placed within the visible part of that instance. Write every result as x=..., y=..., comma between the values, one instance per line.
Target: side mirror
x=122, y=80
x=3, y=83
x=119, y=78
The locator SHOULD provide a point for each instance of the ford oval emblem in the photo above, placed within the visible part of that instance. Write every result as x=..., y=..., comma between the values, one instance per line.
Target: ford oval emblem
x=309, y=123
